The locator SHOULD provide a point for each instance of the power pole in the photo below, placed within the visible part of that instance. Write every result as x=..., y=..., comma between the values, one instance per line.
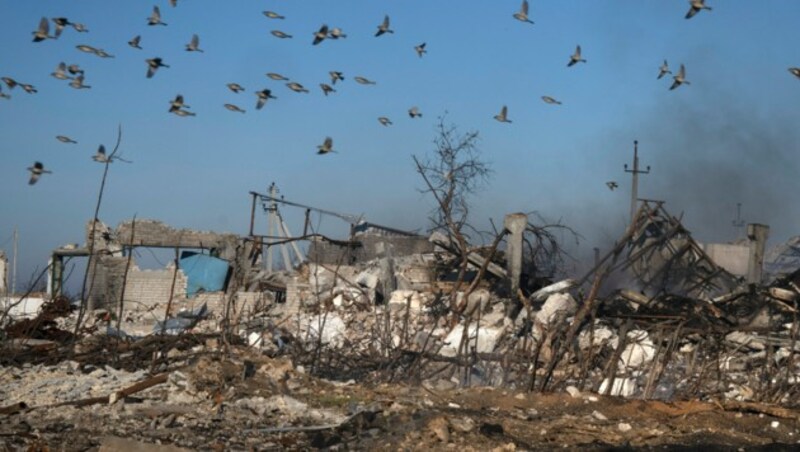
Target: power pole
x=635, y=176
x=738, y=223
x=14, y=265
x=272, y=222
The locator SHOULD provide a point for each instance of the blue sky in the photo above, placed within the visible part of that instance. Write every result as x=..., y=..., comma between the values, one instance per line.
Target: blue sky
x=728, y=137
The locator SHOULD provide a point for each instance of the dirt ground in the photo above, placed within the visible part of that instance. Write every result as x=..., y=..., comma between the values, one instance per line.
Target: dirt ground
x=252, y=402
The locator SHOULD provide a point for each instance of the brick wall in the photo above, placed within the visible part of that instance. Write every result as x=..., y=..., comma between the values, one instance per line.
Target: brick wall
x=149, y=287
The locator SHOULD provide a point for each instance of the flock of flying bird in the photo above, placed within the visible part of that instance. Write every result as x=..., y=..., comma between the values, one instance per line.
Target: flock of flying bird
x=180, y=108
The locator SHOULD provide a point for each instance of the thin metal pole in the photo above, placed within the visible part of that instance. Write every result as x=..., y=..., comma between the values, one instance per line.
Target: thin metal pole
x=635, y=178
x=14, y=264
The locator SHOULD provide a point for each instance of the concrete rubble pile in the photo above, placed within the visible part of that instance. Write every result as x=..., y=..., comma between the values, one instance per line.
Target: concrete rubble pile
x=254, y=344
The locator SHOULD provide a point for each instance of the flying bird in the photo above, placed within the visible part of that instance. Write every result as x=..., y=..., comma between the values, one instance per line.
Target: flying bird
x=65, y=139
x=273, y=15
x=503, y=115
x=280, y=34
x=420, y=49
x=263, y=96
x=135, y=42
x=795, y=71
x=550, y=100
x=276, y=76
x=61, y=72
x=326, y=146
x=320, y=34
x=4, y=95
x=235, y=108
x=336, y=33
x=695, y=7
x=385, y=121
x=10, y=82
x=103, y=54
x=184, y=113
x=87, y=49
x=77, y=83
x=522, y=15
x=43, y=32
x=173, y=3
x=326, y=88
x=576, y=57
x=414, y=112
x=680, y=78
x=384, y=27
x=74, y=69
x=296, y=87
x=612, y=185
x=177, y=104
x=152, y=66
x=194, y=44
x=336, y=75
x=28, y=88
x=363, y=81
x=663, y=70
x=235, y=87
x=80, y=28
x=37, y=170
x=100, y=156
x=60, y=22
x=155, y=17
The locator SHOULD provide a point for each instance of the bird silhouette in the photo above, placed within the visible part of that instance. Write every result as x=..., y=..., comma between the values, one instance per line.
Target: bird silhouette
x=280, y=34
x=177, y=104
x=503, y=115
x=152, y=66
x=320, y=35
x=86, y=48
x=36, y=171
x=235, y=87
x=363, y=80
x=414, y=112
x=135, y=42
x=74, y=69
x=296, y=87
x=384, y=27
x=326, y=88
x=326, y=146
x=80, y=28
x=103, y=54
x=28, y=88
x=43, y=32
x=4, y=95
x=263, y=96
x=384, y=121
x=336, y=33
x=612, y=185
x=61, y=72
x=235, y=108
x=77, y=83
x=276, y=76
x=420, y=49
x=522, y=15
x=173, y=3
x=576, y=57
x=184, y=113
x=550, y=100
x=795, y=71
x=695, y=6
x=60, y=23
x=663, y=70
x=336, y=75
x=100, y=156
x=10, y=82
x=273, y=15
x=65, y=139
x=680, y=78
x=194, y=44
x=155, y=17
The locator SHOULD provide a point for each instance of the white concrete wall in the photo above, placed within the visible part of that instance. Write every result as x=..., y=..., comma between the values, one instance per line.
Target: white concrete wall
x=732, y=258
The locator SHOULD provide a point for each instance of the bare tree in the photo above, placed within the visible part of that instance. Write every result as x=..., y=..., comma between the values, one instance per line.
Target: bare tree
x=452, y=173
